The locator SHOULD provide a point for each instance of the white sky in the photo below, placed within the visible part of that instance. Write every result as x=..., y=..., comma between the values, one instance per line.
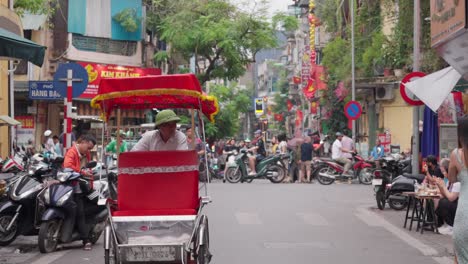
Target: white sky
x=273, y=5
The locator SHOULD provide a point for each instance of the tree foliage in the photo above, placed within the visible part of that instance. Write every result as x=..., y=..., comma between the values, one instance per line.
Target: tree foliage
x=233, y=101
x=222, y=38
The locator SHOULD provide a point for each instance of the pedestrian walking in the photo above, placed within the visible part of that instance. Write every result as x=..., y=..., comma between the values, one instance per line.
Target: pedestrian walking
x=305, y=161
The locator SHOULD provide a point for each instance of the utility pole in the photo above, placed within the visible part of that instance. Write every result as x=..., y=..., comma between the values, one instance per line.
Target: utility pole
x=416, y=55
x=353, y=77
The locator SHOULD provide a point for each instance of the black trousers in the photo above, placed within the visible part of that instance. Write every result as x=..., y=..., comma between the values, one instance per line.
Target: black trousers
x=446, y=210
x=80, y=217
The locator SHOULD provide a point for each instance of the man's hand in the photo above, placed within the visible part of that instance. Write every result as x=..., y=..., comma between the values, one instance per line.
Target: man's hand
x=87, y=173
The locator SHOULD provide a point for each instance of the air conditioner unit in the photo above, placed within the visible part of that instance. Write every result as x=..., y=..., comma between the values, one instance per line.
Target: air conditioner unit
x=384, y=93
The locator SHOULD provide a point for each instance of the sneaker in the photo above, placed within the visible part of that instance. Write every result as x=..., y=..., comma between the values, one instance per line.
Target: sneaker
x=88, y=246
x=446, y=231
x=252, y=173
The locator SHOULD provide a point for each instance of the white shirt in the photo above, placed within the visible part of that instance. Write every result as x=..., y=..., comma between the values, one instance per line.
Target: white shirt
x=49, y=145
x=455, y=188
x=283, y=145
x=152, y=141
x=347, y=144
x=336, y=150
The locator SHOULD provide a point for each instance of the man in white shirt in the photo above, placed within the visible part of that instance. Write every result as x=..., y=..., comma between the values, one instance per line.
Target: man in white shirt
x=166, y=137
x=337, y=154
x=347, y=143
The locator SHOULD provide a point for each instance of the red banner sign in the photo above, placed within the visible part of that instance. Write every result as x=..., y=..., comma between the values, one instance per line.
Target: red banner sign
x=96, y=72
x=26, y=121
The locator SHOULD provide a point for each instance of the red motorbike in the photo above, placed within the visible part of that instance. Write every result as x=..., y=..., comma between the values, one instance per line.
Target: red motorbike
x=326, y=171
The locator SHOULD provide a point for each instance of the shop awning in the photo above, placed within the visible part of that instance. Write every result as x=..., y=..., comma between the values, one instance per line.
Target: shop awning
x=8, y=121
x=14, y=46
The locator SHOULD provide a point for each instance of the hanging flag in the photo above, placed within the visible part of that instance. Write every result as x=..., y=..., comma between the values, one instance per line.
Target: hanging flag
x=313, y=107
x=310, y=89
x=279, y=117
x=289, y=105
x=320, y=77
x=296, y=80
x=299, y=118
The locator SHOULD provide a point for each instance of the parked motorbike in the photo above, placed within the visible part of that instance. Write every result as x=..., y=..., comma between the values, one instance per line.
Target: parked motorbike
x=17, y=215
x=390, y=189
x=271, y=168
x=327, y=171
x=57, y=225
x=13, y=169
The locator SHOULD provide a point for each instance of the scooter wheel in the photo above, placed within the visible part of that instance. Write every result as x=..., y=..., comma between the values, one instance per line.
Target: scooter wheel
x=322, y=179
x=380, y=198
x=7, y=237
x=46, y=240
x=233, y=175
x=397, y=205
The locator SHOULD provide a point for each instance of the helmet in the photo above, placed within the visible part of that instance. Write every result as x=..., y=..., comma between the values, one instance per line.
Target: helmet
x=47, y=133
x=258, y=132
x=247, y=140
x=166, y=116
x=338, y=134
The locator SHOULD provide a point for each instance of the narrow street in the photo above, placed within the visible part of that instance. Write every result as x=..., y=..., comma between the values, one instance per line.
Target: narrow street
x=287, y=223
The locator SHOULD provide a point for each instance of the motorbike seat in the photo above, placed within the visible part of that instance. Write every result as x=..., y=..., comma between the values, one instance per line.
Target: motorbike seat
x=6, y=176
x=418, y=177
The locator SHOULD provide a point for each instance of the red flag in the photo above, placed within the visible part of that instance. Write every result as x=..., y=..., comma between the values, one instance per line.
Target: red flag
x=279, y=117
x=296, y=80
x=299, y=118
x=289, y=105
x=309, y=90
x=313, y=107
x=320, y=77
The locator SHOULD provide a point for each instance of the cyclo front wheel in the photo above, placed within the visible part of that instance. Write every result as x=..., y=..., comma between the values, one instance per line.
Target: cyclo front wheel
x=233, y=174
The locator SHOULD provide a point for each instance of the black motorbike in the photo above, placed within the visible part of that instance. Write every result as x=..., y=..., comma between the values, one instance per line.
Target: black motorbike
x=18, y=213
x=271, y=168
x=390, y=189
x=54, y=203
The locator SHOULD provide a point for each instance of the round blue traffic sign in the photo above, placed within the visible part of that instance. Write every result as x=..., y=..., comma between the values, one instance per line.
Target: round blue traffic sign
x=353, y=110
x=79, y=79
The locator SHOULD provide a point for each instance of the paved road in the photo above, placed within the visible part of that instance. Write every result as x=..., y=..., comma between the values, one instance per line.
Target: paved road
x=287, y=223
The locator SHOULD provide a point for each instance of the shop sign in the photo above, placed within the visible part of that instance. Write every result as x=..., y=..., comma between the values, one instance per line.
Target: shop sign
x=259, y=110
x=43, y=90
x=25, y=132
x=447, y=18
x=96, y=72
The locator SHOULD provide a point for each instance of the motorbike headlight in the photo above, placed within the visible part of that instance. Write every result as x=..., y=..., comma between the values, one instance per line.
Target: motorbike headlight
x=64, y=198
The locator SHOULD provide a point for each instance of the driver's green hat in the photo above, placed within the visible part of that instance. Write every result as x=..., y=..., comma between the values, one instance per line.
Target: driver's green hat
x=166, y=116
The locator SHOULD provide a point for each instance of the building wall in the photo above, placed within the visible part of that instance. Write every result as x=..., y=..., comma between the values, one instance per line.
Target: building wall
x=396, y=117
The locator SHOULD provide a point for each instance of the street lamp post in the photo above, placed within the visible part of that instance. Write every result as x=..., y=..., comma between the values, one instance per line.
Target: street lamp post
x=353, y=85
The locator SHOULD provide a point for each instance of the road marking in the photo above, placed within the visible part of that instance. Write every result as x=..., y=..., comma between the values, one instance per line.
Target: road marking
x=50, y=257
x=286, y=245
x=444, y=260
x=313, y=219
x=248, y=218
x=373, y=219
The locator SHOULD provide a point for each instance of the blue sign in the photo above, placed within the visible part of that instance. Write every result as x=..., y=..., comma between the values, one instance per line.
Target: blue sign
x=43, y=90
x=353, y=110
x=79, y=79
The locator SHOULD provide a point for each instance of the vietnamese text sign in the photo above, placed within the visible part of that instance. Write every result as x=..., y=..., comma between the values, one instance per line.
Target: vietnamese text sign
x=447, y=18
x=96, y=72
x=43, y=90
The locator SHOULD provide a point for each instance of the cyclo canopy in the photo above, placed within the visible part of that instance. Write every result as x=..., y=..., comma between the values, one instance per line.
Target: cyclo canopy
x=162, y=91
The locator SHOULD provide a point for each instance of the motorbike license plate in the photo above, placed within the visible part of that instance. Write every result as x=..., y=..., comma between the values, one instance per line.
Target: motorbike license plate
x=376, y=181
x=159, y=253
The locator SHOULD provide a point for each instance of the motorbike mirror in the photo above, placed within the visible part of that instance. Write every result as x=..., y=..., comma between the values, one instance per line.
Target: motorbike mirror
x=92, y=164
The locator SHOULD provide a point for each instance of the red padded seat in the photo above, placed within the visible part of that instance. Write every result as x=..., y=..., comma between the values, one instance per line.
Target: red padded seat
x=157, y=183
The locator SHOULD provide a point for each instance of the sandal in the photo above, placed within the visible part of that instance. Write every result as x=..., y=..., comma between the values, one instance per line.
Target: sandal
x=88, y=246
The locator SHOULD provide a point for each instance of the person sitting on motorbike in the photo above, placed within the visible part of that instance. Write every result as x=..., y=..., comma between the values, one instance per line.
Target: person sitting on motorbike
x=230, y=149
x=166, y=137
x=377, y=152
x=260, y=152
x=76, y=158
x=337, y=154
